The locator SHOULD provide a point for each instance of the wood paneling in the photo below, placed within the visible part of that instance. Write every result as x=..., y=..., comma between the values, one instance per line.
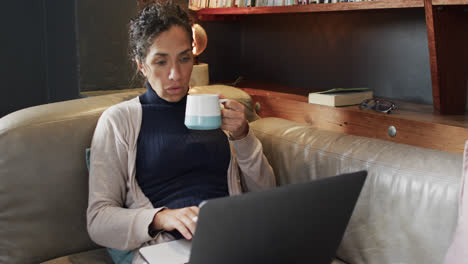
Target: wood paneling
x=447, y=33
x=415, y=124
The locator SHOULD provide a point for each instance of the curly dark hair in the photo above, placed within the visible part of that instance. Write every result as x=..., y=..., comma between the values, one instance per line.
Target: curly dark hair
x=152, y=20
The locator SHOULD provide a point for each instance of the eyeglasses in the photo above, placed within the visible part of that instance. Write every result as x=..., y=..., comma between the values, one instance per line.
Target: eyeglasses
x=379, y=105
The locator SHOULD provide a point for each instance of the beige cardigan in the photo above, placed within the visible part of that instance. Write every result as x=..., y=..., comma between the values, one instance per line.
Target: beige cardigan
x=118, y=212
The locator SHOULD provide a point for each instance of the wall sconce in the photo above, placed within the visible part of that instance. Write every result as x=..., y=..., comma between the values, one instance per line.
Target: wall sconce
x=200, y=74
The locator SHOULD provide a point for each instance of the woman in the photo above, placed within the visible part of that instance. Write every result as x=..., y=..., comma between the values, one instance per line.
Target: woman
x=148, y=172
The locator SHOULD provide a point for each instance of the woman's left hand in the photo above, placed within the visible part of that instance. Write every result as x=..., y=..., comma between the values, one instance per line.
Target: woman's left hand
x=233, y=119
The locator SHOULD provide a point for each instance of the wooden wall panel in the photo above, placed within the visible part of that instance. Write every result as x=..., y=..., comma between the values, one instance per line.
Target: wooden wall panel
x=447, y=33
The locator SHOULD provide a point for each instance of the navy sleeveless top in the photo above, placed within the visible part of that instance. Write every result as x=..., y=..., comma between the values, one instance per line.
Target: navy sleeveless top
x=177, y=167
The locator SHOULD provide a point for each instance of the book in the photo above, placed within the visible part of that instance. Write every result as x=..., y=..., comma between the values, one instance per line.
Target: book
x=340, y=96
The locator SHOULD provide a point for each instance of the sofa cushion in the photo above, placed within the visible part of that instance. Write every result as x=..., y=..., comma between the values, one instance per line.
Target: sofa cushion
x=408, y=207
x=44, y=180
x=97, y=256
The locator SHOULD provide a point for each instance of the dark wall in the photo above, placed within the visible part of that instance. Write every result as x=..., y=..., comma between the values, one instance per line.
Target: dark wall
x=103, y=48
x=223, y=51
x=103, y=44
x=22, y=54
x=38, y=53
x=62, y=62
x=385, y=50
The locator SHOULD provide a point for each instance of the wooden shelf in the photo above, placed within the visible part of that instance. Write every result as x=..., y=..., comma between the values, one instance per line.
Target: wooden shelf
x=416, y=124
x=449, y=2
x=350, y=6
x=366, y=5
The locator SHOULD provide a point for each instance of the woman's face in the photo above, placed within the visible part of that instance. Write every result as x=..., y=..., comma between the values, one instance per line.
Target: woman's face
x=168, y=64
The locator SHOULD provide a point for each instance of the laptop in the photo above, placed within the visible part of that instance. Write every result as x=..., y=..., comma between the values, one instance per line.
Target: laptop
x=296, y=223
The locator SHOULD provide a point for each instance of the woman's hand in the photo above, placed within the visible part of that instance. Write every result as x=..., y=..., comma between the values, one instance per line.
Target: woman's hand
x=233, y=119
x=183, y=220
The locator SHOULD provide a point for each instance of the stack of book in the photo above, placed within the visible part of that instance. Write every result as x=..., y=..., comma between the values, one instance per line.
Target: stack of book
x=197, y=4
x=340, y=96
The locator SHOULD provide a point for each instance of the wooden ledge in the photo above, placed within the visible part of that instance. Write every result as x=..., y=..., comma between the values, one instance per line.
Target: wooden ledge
x=416, y=124
x=449, y=2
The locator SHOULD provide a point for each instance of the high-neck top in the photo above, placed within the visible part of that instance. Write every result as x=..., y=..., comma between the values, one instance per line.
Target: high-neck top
x=177, y=167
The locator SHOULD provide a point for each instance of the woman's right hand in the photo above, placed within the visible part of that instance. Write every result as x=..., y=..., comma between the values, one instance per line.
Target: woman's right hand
x=183, y=220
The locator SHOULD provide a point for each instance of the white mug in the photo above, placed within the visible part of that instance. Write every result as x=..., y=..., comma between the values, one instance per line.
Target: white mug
x=203, y=111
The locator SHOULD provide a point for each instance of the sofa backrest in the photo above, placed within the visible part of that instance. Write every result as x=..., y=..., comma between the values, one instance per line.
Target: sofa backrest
x=44, y=179
x=407, y=210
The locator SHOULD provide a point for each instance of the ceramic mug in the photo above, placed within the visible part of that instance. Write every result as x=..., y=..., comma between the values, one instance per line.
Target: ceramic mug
x=203, y=111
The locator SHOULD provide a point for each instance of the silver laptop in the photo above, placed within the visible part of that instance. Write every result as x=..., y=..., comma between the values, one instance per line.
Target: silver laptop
x=296, y=223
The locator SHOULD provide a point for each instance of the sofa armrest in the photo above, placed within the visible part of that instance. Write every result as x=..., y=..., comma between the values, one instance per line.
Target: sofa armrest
x=408, y=207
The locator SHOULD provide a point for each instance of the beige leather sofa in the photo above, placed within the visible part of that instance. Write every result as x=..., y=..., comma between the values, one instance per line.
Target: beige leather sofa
x=406, y=212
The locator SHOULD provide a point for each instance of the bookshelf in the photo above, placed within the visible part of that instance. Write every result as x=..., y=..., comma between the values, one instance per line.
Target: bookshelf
x=441, y=126
x=446, y=22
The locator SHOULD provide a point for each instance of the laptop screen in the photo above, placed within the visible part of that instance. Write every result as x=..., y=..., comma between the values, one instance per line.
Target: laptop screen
x=296, y=223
